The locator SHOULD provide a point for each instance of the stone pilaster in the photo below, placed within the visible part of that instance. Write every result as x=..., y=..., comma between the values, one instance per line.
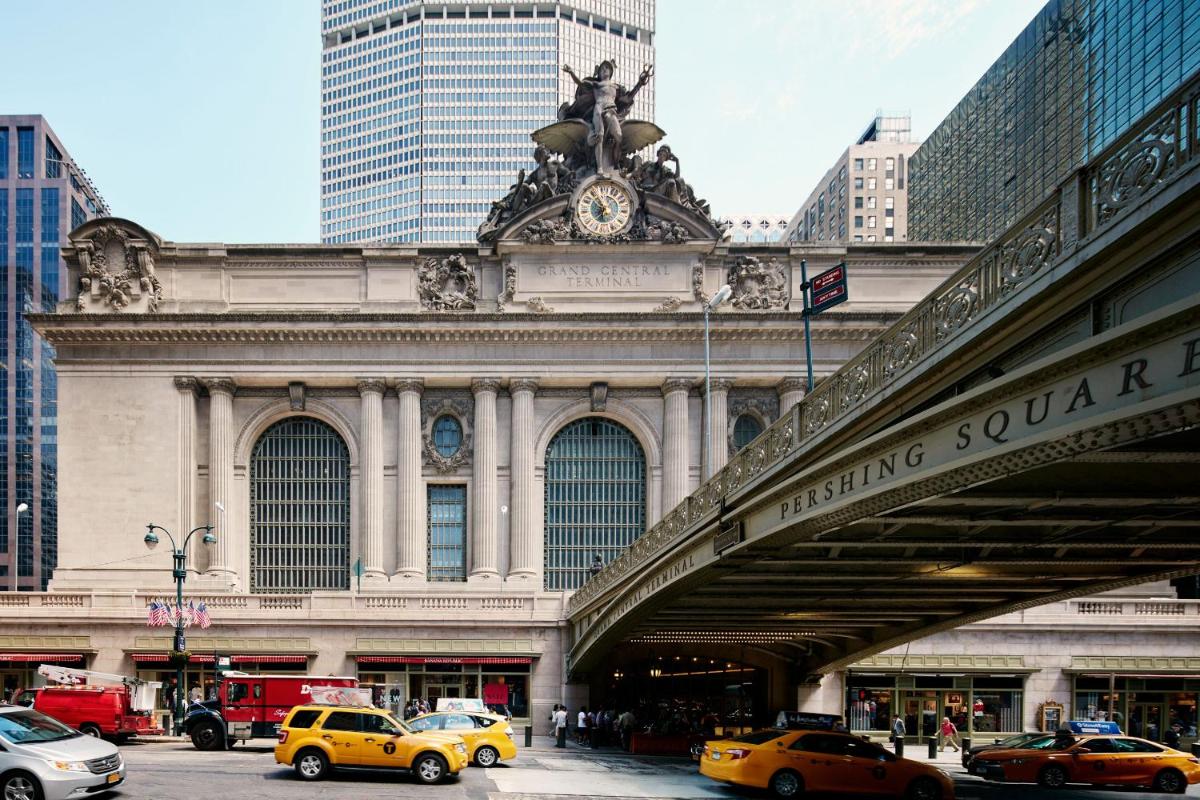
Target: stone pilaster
x=524, y=530
x=484, y=544
x=220, y=476
x=411, y=538
x=675, y=442
x=716, y=413
x=188, y=387
x=791, y=391
x=371, y=391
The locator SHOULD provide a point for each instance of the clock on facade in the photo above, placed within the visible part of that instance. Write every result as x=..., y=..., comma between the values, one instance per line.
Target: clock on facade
x=604, y=208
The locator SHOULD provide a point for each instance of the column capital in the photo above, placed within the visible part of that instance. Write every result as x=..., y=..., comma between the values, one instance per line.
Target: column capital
x=479, y=385
x=522, y=385
x=372, y=385
x=410, y=385
x=721, y=384
x=219, y=385
x=186, y=383
x=671, y=385
x=792, y=383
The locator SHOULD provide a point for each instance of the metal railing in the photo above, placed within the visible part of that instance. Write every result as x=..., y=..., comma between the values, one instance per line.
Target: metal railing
x=1150, y=155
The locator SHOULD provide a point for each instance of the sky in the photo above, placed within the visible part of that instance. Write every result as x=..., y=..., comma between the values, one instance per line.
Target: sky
x=201, y=121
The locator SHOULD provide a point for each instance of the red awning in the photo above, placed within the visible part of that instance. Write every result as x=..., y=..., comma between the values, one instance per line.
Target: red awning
x=444, y=660
x=206, y=658
x=26, y=658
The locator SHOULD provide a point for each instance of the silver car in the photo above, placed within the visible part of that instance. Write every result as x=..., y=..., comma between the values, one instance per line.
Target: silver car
x=42, y=759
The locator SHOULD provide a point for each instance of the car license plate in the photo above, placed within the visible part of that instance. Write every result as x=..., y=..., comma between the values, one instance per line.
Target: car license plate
x=113, y=777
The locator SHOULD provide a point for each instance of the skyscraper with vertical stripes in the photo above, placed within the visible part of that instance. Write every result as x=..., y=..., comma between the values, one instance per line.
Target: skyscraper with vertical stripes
x=426, y=108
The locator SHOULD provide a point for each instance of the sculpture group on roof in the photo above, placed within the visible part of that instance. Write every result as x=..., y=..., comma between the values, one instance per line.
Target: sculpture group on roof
x=594, y=137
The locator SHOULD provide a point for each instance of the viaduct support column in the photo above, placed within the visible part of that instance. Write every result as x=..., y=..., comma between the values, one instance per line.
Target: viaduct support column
x=675, y=442
x=410, y=539
x=484, y=544
x=220, y=474
x=371, y=392
x=523, y=528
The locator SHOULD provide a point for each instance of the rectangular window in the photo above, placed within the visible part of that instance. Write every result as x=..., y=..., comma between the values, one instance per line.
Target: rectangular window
x=889, y=184
x=889, y=202
x=858, y=165
x=887, y=236
x=858, y=183
x=889, y=212
x=871, y=202
x=78, y=216
x=858, y=202
x=24, y=152
x=53, y=160
x=871, y=221
x=871, y=238
x=3, y=153
x=871, y=183
x=889, y=164
x=447, y=508
x=858, y=222
x=872, y=164
x=858, y=238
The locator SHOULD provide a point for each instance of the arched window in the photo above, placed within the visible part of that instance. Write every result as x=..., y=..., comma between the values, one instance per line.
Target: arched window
x=595, y=498
x=447, y=435
x=299, y=508
x=746, y=429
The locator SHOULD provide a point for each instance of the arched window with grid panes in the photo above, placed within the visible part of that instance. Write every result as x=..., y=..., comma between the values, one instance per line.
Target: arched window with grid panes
x=299, y=508
x=595, y=498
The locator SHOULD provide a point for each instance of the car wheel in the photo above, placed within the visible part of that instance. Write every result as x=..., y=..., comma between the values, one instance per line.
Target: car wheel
x=429, y=768
x=20, y=786
x=487, y=756
x=923, y=789
x=1052, y=777
x=207, y=736
x=787, y=784
x=91, y=729
x=311, y=765
x=1170, y=781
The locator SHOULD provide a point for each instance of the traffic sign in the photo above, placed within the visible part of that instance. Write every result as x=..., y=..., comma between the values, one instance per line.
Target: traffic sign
x=828, y=289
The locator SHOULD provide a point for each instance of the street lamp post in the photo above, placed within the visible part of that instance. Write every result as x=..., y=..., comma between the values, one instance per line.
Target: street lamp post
x=179, y=573
x=720, y=297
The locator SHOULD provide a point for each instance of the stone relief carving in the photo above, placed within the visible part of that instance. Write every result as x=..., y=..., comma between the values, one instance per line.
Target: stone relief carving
x=459, y=405
x=759, y=284
x=698, y=284
x=296, y=395
x=115, y=272
x=668, y=305
x=510, y=286
x=447, y=284
x=538, y=305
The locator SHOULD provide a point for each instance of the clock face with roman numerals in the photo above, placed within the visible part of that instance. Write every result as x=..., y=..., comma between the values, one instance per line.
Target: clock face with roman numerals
x=604, y=208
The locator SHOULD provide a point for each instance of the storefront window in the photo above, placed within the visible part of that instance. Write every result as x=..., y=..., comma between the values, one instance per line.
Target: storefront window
x=1182, y=712
x=870, y=709
x=996, y=710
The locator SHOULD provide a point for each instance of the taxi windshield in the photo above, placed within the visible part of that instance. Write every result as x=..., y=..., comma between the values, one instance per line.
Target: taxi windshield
x=758, y=737
x=1059, y=743
x=1040, y=743
x=400, y=725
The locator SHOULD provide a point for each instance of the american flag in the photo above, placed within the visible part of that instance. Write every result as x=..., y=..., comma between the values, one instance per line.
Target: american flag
x=158, y=613
x=202, y=617
x=182, y=616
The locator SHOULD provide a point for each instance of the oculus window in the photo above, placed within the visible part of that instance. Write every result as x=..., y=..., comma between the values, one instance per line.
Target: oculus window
x=447, y=435
x=746, y=429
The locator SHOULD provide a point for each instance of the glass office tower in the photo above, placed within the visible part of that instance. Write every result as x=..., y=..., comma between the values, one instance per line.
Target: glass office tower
x=426, y=108
x=43, y=196
x=1078, y=75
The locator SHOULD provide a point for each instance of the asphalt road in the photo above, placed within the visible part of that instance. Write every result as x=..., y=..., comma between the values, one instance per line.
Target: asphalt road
x=164, y=771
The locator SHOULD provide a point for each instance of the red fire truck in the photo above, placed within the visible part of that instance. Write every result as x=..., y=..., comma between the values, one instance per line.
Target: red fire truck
x=98, y=703
x=252, y=707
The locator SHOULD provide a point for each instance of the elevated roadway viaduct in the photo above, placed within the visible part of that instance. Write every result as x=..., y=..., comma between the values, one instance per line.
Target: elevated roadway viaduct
x=1028, y=433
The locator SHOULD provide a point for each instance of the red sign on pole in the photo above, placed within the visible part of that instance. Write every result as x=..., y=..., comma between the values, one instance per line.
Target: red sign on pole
x=828, y=289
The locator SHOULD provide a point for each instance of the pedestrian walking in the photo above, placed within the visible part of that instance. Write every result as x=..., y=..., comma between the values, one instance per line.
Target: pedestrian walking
x=560, y=727
x=582, y=736
x=626, y=722
x=949, y=735
x=898, y=729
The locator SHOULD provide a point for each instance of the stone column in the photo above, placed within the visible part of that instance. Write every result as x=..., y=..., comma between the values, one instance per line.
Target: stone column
x=371, y=391
x=220, y=475
x=523, y=527
x=484, y=544
x=791, y=391
x=718, y=435
x=187, y=387
x=411, y=539
x=675, y=442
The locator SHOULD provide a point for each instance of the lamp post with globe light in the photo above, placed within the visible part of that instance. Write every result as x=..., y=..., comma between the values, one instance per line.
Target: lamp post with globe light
x=179, y=573
x=720, y=297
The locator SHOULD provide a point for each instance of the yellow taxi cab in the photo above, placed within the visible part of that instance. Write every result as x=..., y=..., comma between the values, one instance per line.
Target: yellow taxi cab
x=792, y=762
x=1096, y=759
x=489, y=737
x=316, y=739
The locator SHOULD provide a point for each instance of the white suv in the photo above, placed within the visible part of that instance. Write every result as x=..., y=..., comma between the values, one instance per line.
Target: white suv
x=43, y=759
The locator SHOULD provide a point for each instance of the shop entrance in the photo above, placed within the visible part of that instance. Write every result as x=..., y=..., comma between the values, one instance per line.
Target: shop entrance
x=1145, y=720
x=924, y=712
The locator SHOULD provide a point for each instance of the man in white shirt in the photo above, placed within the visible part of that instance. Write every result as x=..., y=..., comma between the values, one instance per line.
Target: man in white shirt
x=582, y=727
x=560, y=727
